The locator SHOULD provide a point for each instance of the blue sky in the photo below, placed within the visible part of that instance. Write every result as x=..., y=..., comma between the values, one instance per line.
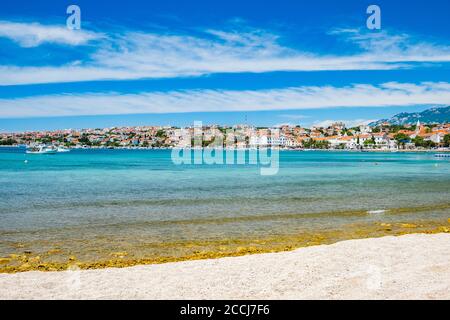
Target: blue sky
x=264, y=62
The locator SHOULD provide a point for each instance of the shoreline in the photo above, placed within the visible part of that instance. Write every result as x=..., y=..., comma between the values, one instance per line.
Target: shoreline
x=26, y=260
x=447, y=150
x=415, y=266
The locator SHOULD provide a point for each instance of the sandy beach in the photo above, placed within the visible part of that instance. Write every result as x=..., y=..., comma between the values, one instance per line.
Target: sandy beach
x=408, y=267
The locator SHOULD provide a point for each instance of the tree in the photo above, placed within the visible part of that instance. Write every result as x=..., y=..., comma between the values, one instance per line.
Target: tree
x=369, y=142
x=419, y=141
x=8, y=142
x=85, y=140
x=401, y=139
x=161, y=134
x=376, y=129
x=316, y=144
x=429, y=144
x=396, y=128
x=447, y=140
x=322, y=144
x=308, y=143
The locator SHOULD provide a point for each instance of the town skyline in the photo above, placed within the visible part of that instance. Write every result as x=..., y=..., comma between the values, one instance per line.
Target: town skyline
x=384, y=136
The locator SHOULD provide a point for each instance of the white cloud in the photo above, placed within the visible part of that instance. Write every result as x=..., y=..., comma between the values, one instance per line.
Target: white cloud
x=396, y=48
x=134, y=55
x=309, y=97
x=34, y=34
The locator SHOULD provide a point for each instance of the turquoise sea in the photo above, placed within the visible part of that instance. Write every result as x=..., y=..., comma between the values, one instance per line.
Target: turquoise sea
x=95, y=203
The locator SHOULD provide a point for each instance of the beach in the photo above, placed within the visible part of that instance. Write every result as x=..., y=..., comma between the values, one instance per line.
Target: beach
x=415, y=266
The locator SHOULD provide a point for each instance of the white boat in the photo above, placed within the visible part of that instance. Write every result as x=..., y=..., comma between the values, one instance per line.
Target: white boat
x=42, y=150
x=442, y=155
x=63, y=149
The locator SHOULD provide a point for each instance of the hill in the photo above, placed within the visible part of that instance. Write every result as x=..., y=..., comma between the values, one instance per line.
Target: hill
x=429, y=116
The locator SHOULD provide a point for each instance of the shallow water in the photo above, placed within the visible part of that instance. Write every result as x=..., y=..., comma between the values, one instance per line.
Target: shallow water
x=95, y=203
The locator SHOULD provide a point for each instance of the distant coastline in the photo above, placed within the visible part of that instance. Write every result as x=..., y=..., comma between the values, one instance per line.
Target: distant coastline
x=247, y=149
x=384, y=137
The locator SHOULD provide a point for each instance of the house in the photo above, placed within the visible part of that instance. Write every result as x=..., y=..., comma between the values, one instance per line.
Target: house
x=381, y=139
x=365, y=129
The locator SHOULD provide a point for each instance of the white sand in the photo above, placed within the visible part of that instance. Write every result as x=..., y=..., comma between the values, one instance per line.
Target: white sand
x=408, y=267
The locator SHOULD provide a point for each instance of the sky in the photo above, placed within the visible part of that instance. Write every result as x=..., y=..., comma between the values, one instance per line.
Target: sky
x=224, y=62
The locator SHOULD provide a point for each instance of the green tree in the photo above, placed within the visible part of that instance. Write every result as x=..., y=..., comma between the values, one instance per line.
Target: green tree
x=376, y=129
x=419, y=141
x=161, y=134
x=429, y=144
x=8, y=142
x=401, y=139
x=321, y=144
x=85, y=140
x=447, y=140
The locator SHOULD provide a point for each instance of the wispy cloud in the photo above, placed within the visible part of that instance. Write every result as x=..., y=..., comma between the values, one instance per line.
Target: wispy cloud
x=308, y=97
x=137, y=55
x=399, y=47
x=30, y=35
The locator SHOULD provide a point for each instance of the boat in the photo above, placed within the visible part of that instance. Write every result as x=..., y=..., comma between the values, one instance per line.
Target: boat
x=442, y=155
x=41, y=149
x=63, y=149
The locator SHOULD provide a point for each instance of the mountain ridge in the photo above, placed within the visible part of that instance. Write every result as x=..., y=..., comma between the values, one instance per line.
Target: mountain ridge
x=428, y=116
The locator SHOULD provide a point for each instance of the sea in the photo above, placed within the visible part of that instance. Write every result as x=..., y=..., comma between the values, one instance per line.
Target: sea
x=102, y=207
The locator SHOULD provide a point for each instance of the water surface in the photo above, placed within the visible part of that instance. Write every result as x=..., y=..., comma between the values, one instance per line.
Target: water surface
x=92, y=204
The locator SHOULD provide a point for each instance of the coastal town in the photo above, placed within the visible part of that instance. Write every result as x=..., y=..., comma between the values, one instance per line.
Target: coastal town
x=336, y=136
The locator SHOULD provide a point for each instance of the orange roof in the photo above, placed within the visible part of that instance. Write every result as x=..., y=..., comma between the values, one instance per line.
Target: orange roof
x=407, y=132
x=321, y=139
x=442, y=131
x=426, y=134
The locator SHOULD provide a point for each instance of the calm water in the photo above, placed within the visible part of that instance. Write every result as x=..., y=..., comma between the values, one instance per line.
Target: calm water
x=116, y=199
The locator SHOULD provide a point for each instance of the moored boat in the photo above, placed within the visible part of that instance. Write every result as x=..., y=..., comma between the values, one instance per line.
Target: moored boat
x=442, y=155
x=63, y=149
x=42, y=149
